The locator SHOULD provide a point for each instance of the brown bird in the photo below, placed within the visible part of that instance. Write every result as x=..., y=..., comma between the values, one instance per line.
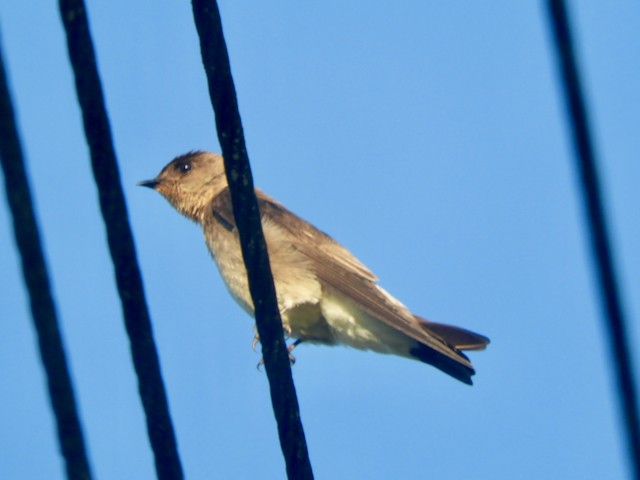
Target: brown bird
x=325, y=295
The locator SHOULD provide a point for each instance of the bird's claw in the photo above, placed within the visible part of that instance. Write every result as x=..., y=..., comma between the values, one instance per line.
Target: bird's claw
x=256, y=336
x=292, y=359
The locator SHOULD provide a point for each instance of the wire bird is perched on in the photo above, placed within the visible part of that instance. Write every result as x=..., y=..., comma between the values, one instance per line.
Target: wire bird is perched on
x=325, y=294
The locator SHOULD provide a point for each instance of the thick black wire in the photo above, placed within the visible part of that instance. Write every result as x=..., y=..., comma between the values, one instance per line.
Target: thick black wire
x=34, y=271
x=230, y=134
x=120, y=239
x=585, y=156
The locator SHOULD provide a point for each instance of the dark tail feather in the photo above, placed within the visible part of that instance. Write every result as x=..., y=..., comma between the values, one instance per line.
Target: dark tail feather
x=457, y=369
x=458, y=337
x=452, y=362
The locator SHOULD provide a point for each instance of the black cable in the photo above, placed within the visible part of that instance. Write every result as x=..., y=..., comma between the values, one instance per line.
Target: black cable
x=230, y=134
x=585, y=156
x=43, y=311
x=120, y=239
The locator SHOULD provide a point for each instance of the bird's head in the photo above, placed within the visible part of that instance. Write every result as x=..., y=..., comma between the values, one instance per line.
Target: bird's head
x=189, y=182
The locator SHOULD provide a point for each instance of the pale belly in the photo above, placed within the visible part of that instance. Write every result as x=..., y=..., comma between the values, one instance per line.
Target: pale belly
x=337, y=321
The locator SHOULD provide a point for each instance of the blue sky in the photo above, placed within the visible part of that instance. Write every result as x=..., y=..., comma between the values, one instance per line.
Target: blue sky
x=428, y=138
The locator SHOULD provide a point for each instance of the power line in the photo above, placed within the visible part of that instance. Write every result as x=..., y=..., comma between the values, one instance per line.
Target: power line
x=120, y=240
x=593, y=205
x=36, y=277
x=230, y=134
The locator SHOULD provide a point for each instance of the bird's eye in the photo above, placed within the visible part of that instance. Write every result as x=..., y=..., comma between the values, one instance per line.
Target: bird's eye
x=184, y=167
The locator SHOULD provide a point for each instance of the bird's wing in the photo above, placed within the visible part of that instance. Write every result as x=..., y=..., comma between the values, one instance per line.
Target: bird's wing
x=313, y=242
x=308, y=238
x=336, y=267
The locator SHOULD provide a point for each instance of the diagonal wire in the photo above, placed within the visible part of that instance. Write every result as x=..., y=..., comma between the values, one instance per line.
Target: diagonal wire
x=120, y=239
x=603, y=258
x=230, y=134
x=43, y=311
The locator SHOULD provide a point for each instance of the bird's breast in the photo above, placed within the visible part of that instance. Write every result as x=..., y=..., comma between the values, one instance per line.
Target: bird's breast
x=295, y=281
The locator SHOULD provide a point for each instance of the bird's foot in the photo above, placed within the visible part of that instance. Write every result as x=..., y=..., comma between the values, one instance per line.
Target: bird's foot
x=256, y=338
x=290, y=348
x=292, y=359
x=256, y=335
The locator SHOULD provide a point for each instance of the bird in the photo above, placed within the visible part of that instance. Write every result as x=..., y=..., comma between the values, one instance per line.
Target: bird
x=325, y=294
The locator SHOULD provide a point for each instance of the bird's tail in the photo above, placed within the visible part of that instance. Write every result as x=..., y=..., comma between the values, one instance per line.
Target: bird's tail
x=457, y=337
x=454, y=362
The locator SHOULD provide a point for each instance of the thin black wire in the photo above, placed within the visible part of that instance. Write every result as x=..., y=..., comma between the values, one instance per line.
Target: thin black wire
x=43, y=311
x=585, y=156
x=230, y=134
x=120, y=239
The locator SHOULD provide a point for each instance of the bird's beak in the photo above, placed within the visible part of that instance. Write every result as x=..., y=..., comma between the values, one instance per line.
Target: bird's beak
x=148, y=183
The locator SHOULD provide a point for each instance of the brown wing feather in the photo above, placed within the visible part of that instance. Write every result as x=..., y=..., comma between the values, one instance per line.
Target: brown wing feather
x=314, y=242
